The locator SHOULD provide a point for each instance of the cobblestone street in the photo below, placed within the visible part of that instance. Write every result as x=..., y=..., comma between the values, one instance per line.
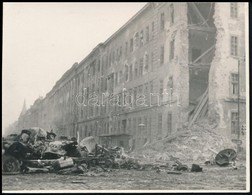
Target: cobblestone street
x=212, y=178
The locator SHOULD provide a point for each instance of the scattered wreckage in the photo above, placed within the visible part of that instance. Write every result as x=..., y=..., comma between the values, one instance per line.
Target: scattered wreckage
x=36, y=150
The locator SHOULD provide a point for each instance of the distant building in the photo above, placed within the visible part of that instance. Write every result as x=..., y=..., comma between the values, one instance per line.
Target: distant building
x=175, y=51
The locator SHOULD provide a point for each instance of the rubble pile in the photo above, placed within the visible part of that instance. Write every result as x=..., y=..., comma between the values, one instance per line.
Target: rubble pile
x=199, y=144
x=33, y=152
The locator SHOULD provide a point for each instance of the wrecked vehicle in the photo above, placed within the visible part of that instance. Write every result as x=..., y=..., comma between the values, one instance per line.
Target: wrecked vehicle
x=36, y=150
x=33, y=145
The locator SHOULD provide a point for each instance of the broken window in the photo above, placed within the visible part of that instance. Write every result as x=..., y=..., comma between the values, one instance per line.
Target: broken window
x=141, y=38
x=120, y=53
x=126, y=72
x=146, y=89
x=131, y=44
x=81, y=113
x=136, y=40
x=233, y=10
x=134, y=126
x=108, y=128
x=147, y=34
x=116, y=78
x=172, y=13
x=82, y=78
x=152, y=61
x=130, y=97
x=169, y=123
x=131, y=72
x=141, y=67
x=161, y=55
x=153, y=29
x=146, y=92
x=234, y=84
x=136, y=71
x=234, y=122
x=93, y=88
x=162, y=21
x=146, y=65
x=120, y=76
x=135, y=94
x=105, y=64
x=161, y=88
x=109, y=60
x=87, y=94
x=126, y=48
x=170, y=84
x=117, y=54
x=159, y=124
x=172, y=47
x=234, y=45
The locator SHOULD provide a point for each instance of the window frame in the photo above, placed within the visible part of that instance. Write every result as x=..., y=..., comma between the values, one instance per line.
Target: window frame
x=232, y=82
x=162, y=21
x=172, y=49
x=162, y=56
x=160, y=123
x=236, y=46
x=234, y=10
x=235, y=132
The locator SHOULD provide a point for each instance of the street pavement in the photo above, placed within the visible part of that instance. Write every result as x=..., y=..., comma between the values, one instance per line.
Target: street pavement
x=212, y=178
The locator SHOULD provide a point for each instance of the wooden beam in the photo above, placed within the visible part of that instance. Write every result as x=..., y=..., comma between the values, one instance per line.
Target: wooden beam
x=202, y=112
x=201, y=28
x=199, y=13
x=201, y=100
x=199, y=108
x=197, y=112
x=202, y=55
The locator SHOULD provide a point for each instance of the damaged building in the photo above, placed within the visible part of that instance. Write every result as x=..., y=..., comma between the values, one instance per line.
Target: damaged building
x=169, y=66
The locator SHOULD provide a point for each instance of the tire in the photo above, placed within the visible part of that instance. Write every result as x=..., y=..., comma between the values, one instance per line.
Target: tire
x=224, y=157
x=10, y=164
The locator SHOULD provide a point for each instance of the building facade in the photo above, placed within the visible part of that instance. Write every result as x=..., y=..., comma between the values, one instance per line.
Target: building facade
x=143, y=83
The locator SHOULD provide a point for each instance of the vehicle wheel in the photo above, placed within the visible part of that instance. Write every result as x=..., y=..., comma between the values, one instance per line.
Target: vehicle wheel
x=224, y=157
x=10, y=164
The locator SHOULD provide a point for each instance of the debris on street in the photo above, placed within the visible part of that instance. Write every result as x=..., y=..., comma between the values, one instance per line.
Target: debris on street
x=36, y=150
x=225, y=157
x=200, y=144
x=196, y=168
x=174, y=172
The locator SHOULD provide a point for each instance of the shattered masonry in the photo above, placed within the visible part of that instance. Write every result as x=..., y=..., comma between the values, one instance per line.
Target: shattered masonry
x=183, y=49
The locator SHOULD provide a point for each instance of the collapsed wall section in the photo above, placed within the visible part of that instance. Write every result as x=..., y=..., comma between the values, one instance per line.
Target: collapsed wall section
x=229, y=50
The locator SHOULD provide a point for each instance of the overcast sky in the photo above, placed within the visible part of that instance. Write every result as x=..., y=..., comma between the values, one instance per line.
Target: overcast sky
x=41, y=41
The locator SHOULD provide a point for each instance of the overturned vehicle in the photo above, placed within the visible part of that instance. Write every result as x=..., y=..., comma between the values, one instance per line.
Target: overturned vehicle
x=36, y=150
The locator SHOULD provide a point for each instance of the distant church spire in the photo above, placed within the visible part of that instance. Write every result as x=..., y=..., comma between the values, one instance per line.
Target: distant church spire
x=23, y=109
